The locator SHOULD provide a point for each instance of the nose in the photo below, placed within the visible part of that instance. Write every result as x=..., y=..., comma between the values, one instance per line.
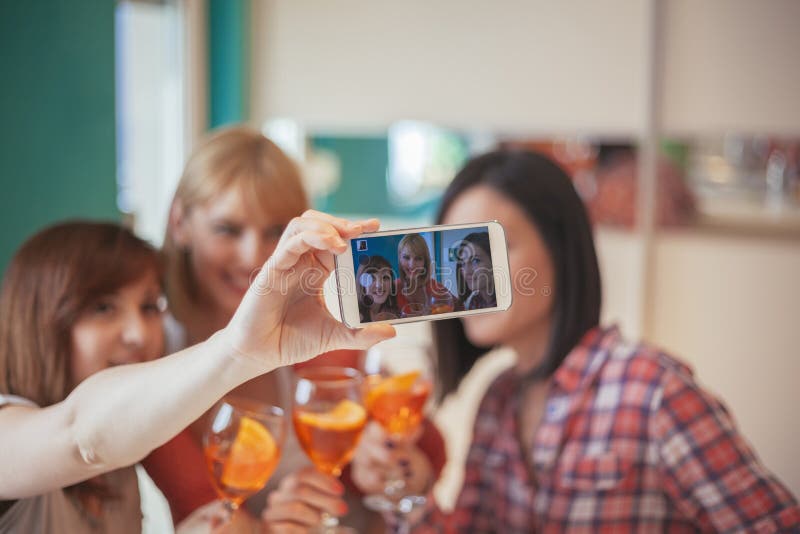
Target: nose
x=134, y=331
x=253, y=251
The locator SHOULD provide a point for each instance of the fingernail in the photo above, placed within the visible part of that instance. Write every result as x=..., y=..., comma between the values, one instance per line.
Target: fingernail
x=339, y=488
x=340, y=244
x=342, y=509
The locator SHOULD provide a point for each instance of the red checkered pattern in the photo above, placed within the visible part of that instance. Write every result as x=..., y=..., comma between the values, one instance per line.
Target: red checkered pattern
x=628, y=443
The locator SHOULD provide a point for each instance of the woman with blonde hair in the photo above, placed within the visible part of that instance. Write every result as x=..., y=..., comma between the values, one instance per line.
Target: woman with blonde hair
x=416, y=285
x=237, y=194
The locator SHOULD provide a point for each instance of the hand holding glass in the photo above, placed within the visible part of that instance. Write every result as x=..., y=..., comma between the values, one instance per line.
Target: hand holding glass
x=398, y=387
x=329, y=417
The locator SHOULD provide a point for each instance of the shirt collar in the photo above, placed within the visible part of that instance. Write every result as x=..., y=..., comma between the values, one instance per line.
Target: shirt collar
x=586, y=359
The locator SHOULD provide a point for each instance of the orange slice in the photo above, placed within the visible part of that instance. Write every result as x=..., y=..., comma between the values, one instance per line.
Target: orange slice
x=250, y=461
x=393, y=384
x=346, y=415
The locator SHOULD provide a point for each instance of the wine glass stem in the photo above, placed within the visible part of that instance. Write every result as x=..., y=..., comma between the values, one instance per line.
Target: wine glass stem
x=230, y=509
x=329, y=522
x=402, y=525
x=395, y=483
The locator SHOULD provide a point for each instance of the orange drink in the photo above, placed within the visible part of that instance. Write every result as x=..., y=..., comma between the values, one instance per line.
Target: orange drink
x=398, y=385
x=442, y=304
x=397, y=402
x=330, y=436
x=244, y=467
x=329, y=417
x=242, y=446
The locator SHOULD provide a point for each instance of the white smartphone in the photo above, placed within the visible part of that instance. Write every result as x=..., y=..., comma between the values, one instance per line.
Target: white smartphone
x=429, y=273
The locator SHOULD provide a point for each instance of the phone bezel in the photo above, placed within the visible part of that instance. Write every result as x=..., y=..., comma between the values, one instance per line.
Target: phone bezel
x=348, y=303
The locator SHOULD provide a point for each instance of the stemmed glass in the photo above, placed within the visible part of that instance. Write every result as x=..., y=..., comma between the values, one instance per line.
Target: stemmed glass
x=398, y=387
x=442, y=303
x=414, y=309
x=329, y=417
x=242, y=445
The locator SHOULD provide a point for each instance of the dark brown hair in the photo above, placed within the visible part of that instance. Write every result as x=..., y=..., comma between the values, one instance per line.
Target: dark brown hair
x=546, y=195
x=475, y=239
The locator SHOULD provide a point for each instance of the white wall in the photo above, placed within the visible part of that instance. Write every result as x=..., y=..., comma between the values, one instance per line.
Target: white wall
x=731, y=65
x=618, y=253
x=150, y=110
x=517, y=65
x=731, y=308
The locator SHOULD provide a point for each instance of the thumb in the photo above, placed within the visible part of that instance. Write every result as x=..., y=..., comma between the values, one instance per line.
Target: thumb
x=364, y=338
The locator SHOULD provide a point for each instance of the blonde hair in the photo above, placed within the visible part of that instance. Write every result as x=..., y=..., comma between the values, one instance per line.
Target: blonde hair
x=417, y=244
x=234, y=156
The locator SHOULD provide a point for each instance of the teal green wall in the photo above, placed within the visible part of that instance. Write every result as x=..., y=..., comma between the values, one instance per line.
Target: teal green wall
x=229, y=61
x=363, y=162
x=57, y=143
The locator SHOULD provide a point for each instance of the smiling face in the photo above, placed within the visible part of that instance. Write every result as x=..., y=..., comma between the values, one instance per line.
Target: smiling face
x=411, y=262
x=119, y=328
x=530, y=266
x=228, y=239
x=380, y=286
x=476, y=267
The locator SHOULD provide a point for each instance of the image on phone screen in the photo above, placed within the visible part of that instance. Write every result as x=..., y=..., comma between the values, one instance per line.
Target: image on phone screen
x=423, y=273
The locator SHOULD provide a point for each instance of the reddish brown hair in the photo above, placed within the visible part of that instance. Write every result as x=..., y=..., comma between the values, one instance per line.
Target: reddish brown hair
x=53, y=278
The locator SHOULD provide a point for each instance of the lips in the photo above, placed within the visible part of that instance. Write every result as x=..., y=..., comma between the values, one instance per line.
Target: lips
x=237, y=284
x=126, y=359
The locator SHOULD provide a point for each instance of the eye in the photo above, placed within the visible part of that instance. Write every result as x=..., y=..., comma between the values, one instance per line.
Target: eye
x=151, y=308
x=226, y=229
x=365, y=280
x=274, y=232
x=103, y=307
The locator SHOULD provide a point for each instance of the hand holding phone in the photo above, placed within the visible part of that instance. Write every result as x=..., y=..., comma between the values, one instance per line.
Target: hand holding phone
x=429, y=273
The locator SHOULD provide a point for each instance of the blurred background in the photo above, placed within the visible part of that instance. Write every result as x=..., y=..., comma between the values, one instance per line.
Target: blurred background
x=678, y=120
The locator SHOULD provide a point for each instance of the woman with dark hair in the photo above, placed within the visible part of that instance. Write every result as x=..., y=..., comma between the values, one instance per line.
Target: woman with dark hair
x=375, y=290
x=474, y=276
x=587, y=432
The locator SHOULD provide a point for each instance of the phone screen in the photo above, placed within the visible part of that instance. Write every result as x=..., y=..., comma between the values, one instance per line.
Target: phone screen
x=424, y=273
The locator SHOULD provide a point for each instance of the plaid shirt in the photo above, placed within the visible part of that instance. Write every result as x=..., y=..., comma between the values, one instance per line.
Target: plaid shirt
x=628, y=443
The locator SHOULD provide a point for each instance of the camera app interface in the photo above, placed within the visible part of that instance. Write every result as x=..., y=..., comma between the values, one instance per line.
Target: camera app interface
x=426, y=273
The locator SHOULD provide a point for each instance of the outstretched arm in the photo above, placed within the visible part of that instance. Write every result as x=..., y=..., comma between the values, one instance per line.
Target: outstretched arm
x=115, y=417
